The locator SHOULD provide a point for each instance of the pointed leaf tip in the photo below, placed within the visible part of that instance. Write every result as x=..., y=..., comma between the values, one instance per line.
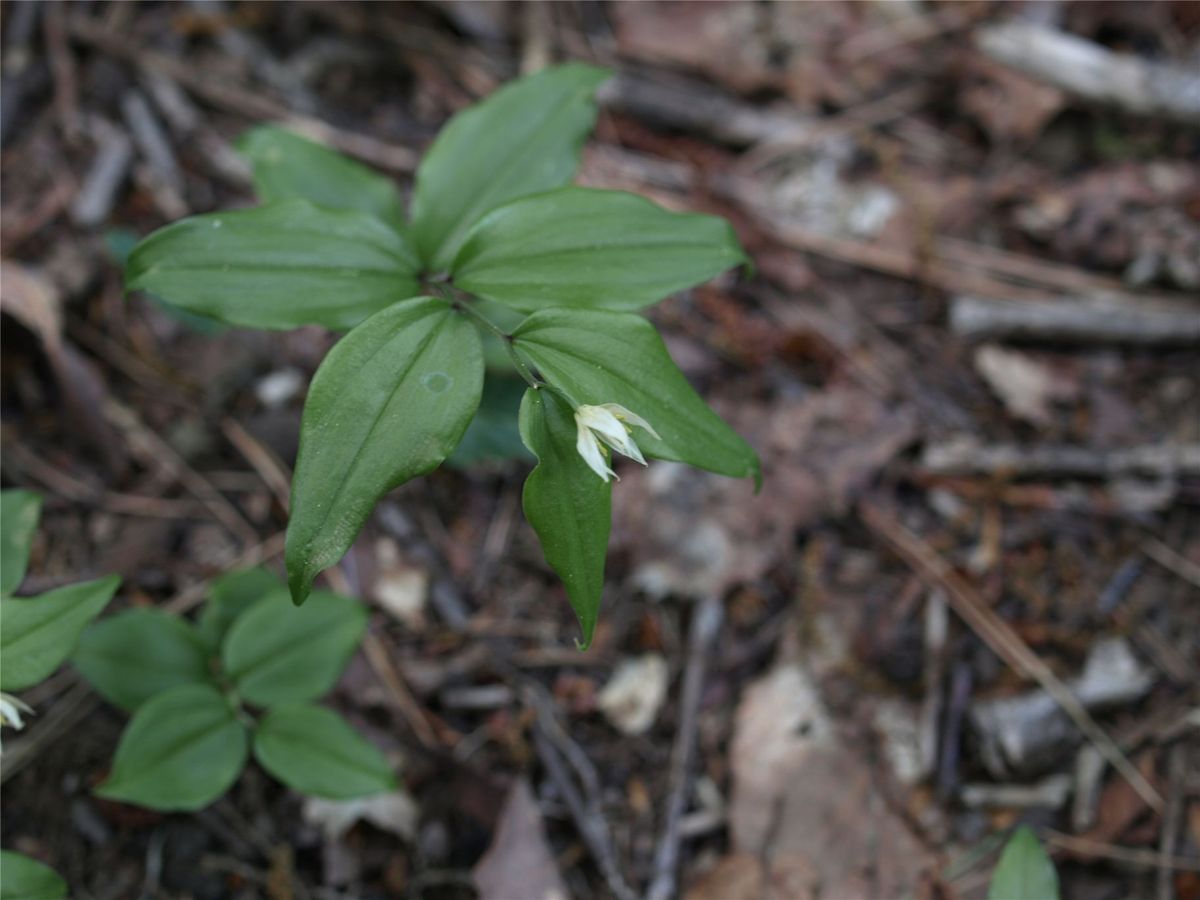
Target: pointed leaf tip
x=569, y=508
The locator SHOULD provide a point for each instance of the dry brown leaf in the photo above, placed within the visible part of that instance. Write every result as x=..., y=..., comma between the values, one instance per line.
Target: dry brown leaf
x=742, y=876
x=519, y=862
x=31, y=299
x=805, y=802
x=1027, y=387
x=1006, y=103
x=726, y=39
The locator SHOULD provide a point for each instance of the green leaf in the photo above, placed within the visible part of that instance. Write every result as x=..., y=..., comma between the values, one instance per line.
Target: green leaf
x=19, y=514
x=596, y=357
x=313, y=750
x=493, y=433
x=389, y=403
x=231, y=595
x=589, y=248
x=287, y=165
x=38, y=633
x=140, y=653
x=22, y=878
x=181, y=751
x=524, y=138
x=1024, y=872
x=279, y=266
x=568, y=505
x=280, y=653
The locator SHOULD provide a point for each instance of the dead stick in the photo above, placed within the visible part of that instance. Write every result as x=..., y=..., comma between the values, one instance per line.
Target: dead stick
x=1171, y=820
x=1172, y=560
x=345, y=582
x=237, y=99
x=999, y=636
x=560, y=755
x=706, y=622
x=1134, y=856
x=157, y=452
x=406, y=704
x=965, y=457
x=1077, y=320
x=191, y=595
x=1093, y=72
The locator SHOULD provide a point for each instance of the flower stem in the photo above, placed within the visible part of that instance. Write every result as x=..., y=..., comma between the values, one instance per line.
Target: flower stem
x=463, y=306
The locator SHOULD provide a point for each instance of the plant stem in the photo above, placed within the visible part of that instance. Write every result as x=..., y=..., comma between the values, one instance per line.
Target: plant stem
x=466, y=308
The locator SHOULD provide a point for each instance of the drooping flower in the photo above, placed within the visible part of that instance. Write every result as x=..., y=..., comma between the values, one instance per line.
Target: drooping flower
x=10, y=711
x=610, y=425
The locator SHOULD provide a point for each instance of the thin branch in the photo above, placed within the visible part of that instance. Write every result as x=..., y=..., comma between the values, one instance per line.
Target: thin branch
x=706, y=622
x=999, y=636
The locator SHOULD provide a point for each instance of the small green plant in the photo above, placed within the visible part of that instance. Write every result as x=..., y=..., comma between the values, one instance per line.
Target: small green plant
x=243, y=676
x=1024, y=871
x=36, y=635
x=499, y=259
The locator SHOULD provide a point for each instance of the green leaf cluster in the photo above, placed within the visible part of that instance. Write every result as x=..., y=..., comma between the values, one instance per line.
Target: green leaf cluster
x=188, y=688
x=22, y=878
x=499, y=261
x=1024, y=871
x=37, y=633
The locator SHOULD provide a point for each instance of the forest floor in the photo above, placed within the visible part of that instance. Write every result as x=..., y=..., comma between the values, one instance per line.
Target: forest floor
x=967, y=355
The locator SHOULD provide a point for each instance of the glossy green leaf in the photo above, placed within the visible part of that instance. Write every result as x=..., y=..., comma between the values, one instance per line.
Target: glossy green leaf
x=38, y=633
x=22, y=878
x=524, y=138
x=1024, y=872
x=313, y=750
x=137, y=654
x=568, y=505
x=279, y=266
x=231, y=595
x=180, y=751
x=594, y=249
x=390, y=401
x=19, y=514
x=596, y=357
x=277, y=652
x=287, y=165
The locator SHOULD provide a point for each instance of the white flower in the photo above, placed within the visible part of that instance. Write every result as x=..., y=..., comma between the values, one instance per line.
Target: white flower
x=10, y=711
x=605, y=424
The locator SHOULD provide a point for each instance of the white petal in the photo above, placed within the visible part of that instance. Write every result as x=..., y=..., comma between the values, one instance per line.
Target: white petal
x=10, y=711
x=589, y=449
x=609, y=429
x=603, y=423
x=632, y=418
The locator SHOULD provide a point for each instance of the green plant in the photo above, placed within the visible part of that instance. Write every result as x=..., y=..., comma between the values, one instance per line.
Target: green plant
x=500, y=260
x=191, y=689
x=36, y=635
x=1024, y=871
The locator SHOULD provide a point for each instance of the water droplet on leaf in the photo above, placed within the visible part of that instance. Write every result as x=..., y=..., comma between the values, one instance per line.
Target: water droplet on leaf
x=436, y=382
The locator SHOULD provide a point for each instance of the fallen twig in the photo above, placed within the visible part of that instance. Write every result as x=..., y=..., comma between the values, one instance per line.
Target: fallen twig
x=1133, y=856
x=1093, y=72
x=706, y=622
x=1075, y=320
x=999, y=636
x=193, y=594
x=237, y=99
x=1172, y=560
x=114, y=154
x=576, y=779
x=154, y=451
x=1171, y=820
x=967, y=457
